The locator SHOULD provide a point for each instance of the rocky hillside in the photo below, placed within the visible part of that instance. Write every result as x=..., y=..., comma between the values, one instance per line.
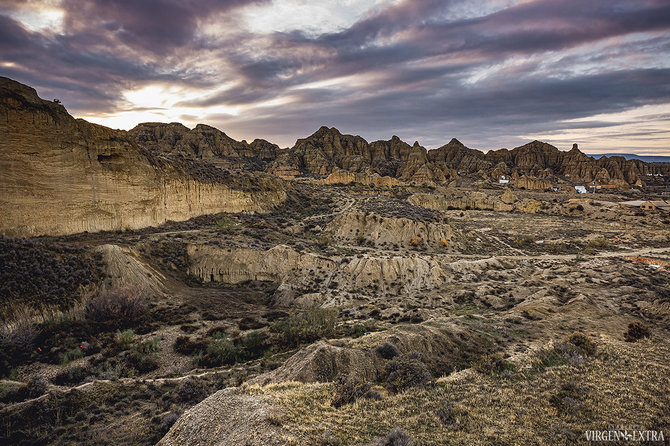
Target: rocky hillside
x=328, y=151
x=62, y=175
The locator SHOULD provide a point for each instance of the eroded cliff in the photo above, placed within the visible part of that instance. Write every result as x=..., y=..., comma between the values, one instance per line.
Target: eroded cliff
x=62, y=175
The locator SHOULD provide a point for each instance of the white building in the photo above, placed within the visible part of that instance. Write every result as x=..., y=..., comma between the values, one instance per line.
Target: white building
x=503, y=179
x=580, y=189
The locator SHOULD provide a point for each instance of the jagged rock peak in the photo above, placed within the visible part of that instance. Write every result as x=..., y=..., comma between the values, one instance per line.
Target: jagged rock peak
x=324, y=131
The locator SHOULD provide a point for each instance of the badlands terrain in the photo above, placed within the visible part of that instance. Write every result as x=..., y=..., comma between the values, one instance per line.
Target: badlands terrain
x=175, y=286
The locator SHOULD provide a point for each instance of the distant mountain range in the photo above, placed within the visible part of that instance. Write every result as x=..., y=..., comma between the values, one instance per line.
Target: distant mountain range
x=633, y=156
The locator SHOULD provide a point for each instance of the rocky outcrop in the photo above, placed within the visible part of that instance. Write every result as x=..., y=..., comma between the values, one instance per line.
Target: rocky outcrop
x=531, y=183
x=367, y=179
x=62, y=175
x=309, y=278
x=389, y=231
x=229, y=417
x=204, y=142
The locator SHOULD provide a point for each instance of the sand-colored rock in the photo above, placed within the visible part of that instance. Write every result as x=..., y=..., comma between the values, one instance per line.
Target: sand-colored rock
x=367, y=179
x=227, y=418
x=61, y=175
x=530, y=183
x=379, y=230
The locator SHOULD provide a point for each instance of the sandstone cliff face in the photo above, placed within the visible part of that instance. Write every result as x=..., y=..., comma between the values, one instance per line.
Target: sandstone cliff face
x=532, y=183
x=295, y=272
x=382, y=231
x=367, y=179
x=61, y=175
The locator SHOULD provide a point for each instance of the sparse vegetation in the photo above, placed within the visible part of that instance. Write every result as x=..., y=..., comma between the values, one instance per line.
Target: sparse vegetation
x=407, y=371
x=121, y=306
x=307, y=326
x=636, y=331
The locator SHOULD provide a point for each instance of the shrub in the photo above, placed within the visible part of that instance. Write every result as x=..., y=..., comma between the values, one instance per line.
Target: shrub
x=449, y=416
x=636, y=331
x=395, y=437
x=71, y=355
x=191, y=391
x=220, y=351
x=387, y=350
x=255, y=342
x=308, y=326
x=494, y=364
x=72, y=375
x=19, y=333
x=37, y=386
x=584, y=343
x=121, y=306
x=405, y=372
x=124, y=339
x=348, y=390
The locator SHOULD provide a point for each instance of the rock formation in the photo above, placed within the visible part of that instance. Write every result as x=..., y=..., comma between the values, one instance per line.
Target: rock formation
x=62, y=175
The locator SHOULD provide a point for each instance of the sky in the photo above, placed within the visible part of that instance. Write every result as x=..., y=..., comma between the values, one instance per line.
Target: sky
x=492, y=73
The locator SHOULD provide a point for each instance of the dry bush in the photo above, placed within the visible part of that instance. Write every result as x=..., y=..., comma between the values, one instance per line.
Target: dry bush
x=584, y=343
x=311, y=325
x=636, y=331
x=387, y=350
x=405, y=372
x=19, y=332
x=121, y=305
x=348, y=390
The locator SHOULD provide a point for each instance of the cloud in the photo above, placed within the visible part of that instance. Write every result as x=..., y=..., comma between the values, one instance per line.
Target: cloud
x=488, y=72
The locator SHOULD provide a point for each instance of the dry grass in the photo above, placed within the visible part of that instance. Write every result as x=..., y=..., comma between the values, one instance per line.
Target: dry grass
x=625, y=385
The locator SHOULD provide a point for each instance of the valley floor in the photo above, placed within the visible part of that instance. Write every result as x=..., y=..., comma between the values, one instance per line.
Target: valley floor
x=345, y=313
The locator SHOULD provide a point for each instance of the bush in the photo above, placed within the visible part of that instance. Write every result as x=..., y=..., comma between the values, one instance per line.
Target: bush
x=387, y=350
x=568, y=400
x=308, y=326
x=71, y=355
x=348, y=390
x=19, y=334
x=121, y=306
x=636, y=331
x=191, y=391
x=584, y=343
x=220, y=351
x=255, y=343
x=39, y=273
x=395, y=437
x=124, y=339
x=405, y=372
x=37, y=386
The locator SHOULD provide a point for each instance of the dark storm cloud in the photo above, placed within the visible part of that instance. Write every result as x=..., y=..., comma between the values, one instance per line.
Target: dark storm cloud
x=420, y=68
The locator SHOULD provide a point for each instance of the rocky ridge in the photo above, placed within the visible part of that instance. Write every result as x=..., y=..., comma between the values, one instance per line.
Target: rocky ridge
x=62, y=175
